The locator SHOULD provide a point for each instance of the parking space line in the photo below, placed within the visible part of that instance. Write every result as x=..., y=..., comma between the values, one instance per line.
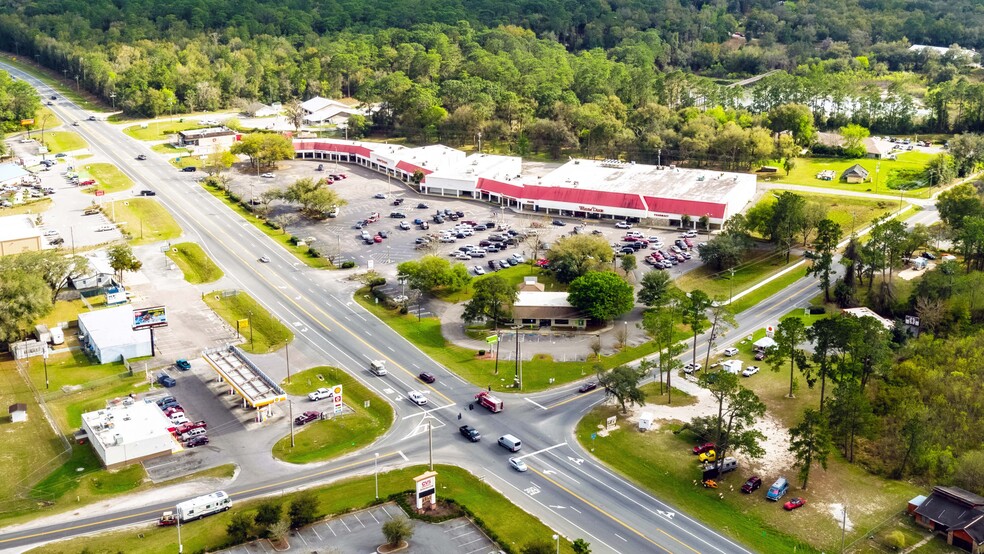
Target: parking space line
x=478, y=549
x=330, y=529
x=386, y=512
x=345, y=524
x=315, y=531
x=472, y=532
x=356, y=516
x=373, y=517
x=472, y=541
x=300, y=534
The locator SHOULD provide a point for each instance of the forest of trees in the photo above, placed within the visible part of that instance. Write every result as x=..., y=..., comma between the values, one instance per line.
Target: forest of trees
x=600, y=79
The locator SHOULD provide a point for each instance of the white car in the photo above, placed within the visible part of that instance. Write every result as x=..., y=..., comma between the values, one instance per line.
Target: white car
x=750, y=370
x=404, y=225
x=105, y=228
x=267, y=175
x=622, y=225
x=690, y=368
x=462, y=256
x=417, y=398
x=178, y=418
x=517, y=464
x=319, y=394
x=731, y=351
x=50, y=233
x=478, y=270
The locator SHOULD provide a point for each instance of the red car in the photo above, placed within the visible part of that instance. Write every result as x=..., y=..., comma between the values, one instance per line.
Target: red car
x=794, y=503
x=701, y=448
x=306, y=417
x=427, y=377
x=377, y=239
x=184, y=428
x=88, y=182
x=173, y=409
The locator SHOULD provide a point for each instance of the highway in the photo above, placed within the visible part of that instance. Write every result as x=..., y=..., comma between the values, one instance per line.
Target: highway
x=565, y=487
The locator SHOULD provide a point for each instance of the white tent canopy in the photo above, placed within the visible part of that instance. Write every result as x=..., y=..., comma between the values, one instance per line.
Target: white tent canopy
x=765, y=342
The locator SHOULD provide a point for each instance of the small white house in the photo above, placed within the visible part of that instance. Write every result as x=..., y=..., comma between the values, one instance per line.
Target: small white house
x=18, y=412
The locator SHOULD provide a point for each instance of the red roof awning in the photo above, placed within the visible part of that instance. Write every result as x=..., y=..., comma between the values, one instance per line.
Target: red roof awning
x=408, y=167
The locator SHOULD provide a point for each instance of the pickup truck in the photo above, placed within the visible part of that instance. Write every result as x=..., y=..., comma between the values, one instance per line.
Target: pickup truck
x=470, y=433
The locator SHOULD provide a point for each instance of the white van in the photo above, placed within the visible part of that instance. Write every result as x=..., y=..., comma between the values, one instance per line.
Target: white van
x=57, y=335
x=366, y=236
x=377, y=367
x=196, y=432
x=510, y=443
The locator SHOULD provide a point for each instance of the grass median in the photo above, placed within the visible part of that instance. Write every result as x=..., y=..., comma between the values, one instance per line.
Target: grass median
x=513, y=526
x=196, y=266
x=63, y=141
x=263, y=332
x=108, y=178
x=330, y=438
x=159, y=130
x=302, y=253
x=143, y=219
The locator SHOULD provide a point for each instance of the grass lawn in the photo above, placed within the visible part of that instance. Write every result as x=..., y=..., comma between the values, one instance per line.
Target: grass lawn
x=426, y=335
x=267, y=333
x=513, y=275
x=769, y=289
x=653, y=396
x=806, y=170
x=302, y=253
x=182, y=162
x=849, y=212
x=32, y=206
x=144, y=219
x=513, y=526
x=330, y=438
x=63, y=141
x=26, y=449
x=64, y=311
x=750, y=519
x=757, y=265
x=159, y=130
x=70, y=368
x=168, y=148
x=108, y=178
x=68, y=409
x=196, y=266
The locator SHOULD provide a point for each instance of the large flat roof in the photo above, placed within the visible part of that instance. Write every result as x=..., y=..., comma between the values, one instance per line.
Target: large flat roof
x=113, y=327
x=248, y=380
x=11, y=171
x=538, y=299
x=133, y=423
x=491, y=166
x=650, y=180
x=16, y=227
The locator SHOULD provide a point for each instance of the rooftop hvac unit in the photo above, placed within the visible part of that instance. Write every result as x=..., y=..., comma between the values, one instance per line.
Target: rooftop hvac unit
x=117, y=439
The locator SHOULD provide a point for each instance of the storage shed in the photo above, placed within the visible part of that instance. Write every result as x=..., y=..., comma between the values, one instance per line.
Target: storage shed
x=18, y=412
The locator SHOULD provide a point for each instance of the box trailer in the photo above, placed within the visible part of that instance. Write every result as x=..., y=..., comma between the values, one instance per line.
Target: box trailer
x=202, y=506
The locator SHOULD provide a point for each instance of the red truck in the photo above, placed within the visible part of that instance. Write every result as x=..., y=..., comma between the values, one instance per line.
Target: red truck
x=492, y=403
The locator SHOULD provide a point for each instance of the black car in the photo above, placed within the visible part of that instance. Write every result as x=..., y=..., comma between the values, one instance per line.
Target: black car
x=189, y=169
x=422, y=206
x=559, y=223
x=200, y=440
x=929, y=255
x=753, y=483
x=56, y=241
x=459, y=213
x=382, y=233
x=398, y=215
x=146, y=192
x=398, y=201
x=470, y=433
x=142, y=157
x=493, y=264
x=589, y=386
x=438, y=219
x=427, y=377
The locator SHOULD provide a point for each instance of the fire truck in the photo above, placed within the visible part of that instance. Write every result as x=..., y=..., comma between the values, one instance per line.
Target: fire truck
x=492, y=403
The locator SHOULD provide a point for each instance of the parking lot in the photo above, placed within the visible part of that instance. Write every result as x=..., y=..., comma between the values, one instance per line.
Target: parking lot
x=362, y=532
x=371, y=196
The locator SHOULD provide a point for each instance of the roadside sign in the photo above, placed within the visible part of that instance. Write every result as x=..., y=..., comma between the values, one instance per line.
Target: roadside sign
x=594, y=436
x=100, y=192
x=492, y=339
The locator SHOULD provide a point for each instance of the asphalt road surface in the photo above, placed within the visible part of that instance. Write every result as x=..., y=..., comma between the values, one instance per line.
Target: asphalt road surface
x=565, y=486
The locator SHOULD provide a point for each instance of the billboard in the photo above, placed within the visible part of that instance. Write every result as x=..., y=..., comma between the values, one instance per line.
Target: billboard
x=145, y=318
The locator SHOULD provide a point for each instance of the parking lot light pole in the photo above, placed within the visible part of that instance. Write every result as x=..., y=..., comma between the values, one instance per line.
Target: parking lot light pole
x=287, y=352
x=249, y=318
x=375, y=470
x=557, y=538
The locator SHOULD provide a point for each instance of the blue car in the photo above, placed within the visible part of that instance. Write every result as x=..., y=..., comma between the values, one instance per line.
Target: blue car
x=166, y=380
x=183, y=364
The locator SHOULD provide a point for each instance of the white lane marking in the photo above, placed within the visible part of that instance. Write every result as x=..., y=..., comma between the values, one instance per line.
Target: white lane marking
x=426, y=412
x=402, y=455
x=547, y=449
x=531, y=401
x=620, y=536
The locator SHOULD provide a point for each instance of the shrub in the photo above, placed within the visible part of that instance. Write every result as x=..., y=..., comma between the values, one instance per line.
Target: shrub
x=397, y=530
x=895, y=539
x=303, y=510
x=348, y=264
x=313, y=253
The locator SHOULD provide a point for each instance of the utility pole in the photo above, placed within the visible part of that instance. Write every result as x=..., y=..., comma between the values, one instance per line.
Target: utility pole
x=252, y=344
x=290, y=420
x=287, y=351
x=430, y=445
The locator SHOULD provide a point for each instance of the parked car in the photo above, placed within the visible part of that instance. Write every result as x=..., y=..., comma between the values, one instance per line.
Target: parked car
x=750, y=370
x=691, y=368
x=517, y=464
x=701, y=448
x=622, y=225
x=182, y=364
x=753, y=483
x=759, y=356
x=189, y=169
x=380, y=196
x=417, y=398
x=166, y=400
x=427, y=377
x=307, y=417
x=559, y=222
x=422, y=206
x=319, y=394
x=200, y=440
x=794, y=503
x=478, y=270
x=589, y=386
x=166, y=380
x=731, y=351
x=709, y=456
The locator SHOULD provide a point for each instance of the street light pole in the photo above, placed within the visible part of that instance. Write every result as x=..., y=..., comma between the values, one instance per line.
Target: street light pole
x=252, y=344
x=557, y=538
x=287, y=352
x=290, y=420
x=375, y=470
x=731, y=282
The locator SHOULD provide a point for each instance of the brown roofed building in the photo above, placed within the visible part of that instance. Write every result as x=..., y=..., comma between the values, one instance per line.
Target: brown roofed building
x=956, y=513
x=536, y=308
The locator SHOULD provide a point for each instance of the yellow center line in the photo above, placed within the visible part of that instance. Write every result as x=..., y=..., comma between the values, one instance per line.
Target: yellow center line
x=598, y=509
